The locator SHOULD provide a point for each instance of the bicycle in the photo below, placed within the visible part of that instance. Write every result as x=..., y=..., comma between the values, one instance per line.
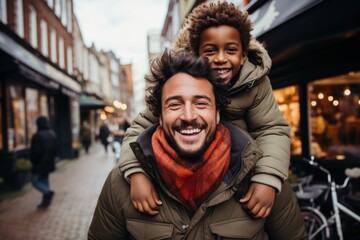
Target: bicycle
x=317, y=223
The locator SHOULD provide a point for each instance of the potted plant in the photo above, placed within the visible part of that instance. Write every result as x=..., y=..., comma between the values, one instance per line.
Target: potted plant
x=21, y=172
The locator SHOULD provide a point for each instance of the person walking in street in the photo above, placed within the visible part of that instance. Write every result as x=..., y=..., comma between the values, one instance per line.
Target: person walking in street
x=43, y=151
x=221, y=32
x=85, y=136
x=199, y=164
x=104, y=134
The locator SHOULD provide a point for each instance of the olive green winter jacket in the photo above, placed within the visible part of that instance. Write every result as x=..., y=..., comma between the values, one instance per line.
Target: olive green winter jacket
x=253, y=108
x=219, y=217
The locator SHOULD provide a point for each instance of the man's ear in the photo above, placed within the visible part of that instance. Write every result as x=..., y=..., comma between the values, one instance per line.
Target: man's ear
x=160, y=121
x=217, y=116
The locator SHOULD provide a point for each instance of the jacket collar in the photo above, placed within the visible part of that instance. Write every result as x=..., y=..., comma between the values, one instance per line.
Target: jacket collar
x=242, y=147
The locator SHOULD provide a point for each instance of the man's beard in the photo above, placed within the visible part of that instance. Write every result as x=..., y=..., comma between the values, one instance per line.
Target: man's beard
x=190, y=156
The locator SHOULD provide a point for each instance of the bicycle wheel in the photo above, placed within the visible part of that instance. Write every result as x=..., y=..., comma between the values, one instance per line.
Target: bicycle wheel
x=315, y=223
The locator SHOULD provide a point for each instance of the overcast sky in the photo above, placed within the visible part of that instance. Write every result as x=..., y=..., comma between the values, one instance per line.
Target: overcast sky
x=120, y=25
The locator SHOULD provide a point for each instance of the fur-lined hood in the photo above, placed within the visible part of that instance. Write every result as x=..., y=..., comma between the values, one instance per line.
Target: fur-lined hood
x=256, y=66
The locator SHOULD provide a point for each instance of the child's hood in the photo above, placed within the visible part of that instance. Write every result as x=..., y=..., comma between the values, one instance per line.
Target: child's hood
x=255, y=67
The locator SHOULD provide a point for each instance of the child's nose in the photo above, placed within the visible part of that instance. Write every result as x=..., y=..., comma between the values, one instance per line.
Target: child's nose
x=220, y=57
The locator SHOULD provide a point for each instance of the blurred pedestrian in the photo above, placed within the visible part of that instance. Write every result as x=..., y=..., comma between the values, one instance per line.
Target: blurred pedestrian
x=85, y=136
x=43, y=151
x=104, y=134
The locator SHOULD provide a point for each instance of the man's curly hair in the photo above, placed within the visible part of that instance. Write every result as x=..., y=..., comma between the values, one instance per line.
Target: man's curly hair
x=172, y=62
x=209, y=15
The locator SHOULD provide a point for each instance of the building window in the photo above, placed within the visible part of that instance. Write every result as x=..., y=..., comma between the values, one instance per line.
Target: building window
x=69, y=15
x=64, y=12
x=69, y=60
x=3, y=12
x=53, y=45
x=19, y=17
x=44, y=38
x=61, y=53
x=50, y=3
x=33, y=26
x=288, y=101
x=16, y=119
x=335, y=117
x=58, y=7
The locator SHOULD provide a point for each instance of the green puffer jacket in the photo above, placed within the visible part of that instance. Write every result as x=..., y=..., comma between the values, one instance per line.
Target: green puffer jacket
x=219, y=217
x=253, y=108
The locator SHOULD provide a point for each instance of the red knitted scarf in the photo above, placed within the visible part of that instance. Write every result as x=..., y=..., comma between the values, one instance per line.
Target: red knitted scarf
x=193, y=182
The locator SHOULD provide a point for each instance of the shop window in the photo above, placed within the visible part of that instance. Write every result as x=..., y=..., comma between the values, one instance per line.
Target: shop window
x=1, y=118
x=335, y=117
x=16, y=118
x=288, y=101
x=36, y=105
x=75, y=119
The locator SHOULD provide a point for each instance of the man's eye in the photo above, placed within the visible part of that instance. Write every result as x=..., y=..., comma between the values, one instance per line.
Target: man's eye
x=174, y=105
x=201, y=104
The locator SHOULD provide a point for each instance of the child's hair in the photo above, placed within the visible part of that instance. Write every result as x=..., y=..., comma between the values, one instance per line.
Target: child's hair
x=172, y=62
x=216, y=14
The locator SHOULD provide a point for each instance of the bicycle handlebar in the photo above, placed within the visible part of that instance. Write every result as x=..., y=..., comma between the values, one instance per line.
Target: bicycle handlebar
x=312, y=162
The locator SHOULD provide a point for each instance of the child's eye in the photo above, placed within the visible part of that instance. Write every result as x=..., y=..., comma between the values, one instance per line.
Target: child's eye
x=231, y=50
x=209, y=51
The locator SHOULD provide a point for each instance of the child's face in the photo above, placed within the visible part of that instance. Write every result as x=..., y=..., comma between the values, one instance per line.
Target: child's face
x=222, y=46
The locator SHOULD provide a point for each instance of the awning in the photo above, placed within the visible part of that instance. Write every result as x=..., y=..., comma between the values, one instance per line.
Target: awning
x=308, y=39
x=267, y=15
x=90, y=103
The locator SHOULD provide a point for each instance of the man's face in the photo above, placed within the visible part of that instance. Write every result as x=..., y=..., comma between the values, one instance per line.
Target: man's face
x=222, y=46
x=188, y=116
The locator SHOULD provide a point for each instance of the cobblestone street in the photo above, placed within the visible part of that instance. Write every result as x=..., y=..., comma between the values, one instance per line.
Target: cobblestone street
x=77, y=184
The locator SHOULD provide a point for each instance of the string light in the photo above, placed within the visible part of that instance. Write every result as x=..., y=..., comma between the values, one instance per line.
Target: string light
x=347, y=92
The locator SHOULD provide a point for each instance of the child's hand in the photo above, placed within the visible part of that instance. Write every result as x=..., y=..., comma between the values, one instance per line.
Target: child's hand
x=259, y=200
x=143, y=194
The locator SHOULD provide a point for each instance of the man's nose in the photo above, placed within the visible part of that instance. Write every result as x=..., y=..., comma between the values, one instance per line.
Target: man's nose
x=188, y=114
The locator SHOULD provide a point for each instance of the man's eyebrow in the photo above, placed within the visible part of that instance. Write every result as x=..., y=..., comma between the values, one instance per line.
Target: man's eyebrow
x=176, y=97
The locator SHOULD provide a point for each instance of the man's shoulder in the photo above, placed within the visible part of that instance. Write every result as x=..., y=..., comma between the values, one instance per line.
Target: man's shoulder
x=236, y=132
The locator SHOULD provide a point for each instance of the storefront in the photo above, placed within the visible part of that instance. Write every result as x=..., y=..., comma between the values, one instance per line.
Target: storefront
x=314, y=45
x=30, y=86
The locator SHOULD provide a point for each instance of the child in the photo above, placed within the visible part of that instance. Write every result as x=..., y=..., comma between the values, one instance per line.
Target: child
x=221, y=32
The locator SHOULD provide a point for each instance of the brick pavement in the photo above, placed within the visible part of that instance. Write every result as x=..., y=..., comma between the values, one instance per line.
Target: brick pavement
x=77, y=184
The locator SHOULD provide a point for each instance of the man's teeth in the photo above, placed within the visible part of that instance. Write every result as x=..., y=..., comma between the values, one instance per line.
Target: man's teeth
x=190, y=131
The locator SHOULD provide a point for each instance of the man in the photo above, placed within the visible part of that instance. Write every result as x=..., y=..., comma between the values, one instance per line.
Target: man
x=43, y=151
x=200, y=166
